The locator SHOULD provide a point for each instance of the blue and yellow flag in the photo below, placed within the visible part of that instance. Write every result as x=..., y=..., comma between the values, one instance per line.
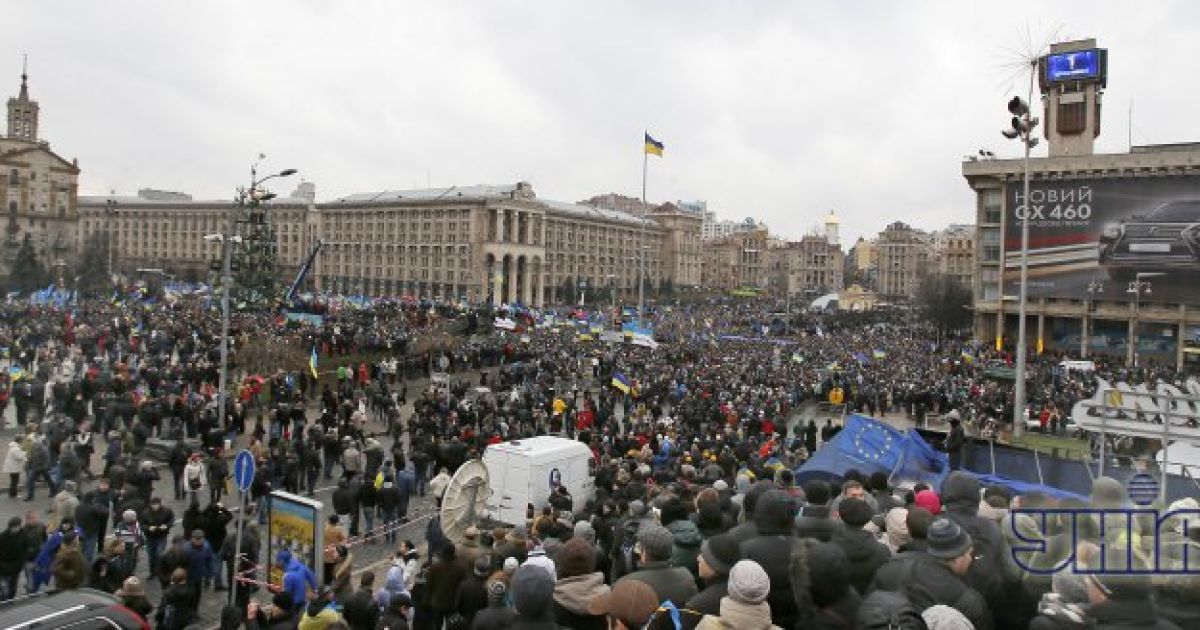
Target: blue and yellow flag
x=620, y=382
x=312, y=363
x=968, y=357
x=653, y=147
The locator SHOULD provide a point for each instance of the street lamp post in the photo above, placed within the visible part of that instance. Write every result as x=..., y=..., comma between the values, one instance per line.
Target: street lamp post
x=1137, y=287
x=1023, y=124
x=1093, y=288
x=227, y=241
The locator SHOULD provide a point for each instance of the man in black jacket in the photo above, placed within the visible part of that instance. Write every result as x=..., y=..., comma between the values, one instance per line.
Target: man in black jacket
x=936, y=576
x=156, y=521
x=814, y=520
x=12, y=557
x=771, y=548
x=863, y=552
x=993, y=574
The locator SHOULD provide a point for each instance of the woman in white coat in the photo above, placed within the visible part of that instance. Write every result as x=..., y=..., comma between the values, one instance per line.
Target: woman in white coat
x=194, y=477
x=14, y=464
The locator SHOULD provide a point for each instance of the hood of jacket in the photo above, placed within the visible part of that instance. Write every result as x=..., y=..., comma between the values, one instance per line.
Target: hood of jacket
x=577, y=592
x=774, y=513
x=395, y=580
x=960, y=493
x=686, y=533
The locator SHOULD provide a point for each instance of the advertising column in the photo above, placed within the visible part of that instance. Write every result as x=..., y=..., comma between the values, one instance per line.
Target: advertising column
x=295, y=525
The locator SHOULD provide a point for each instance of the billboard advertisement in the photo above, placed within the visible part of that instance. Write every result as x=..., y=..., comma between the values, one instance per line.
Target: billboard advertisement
x=294, y=523
x=1093, y=237
x=1080, y=65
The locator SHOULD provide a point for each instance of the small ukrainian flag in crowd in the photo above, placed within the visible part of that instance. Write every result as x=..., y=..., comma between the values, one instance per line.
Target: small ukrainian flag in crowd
x=620, y=382
x=312, y=363
x=653, y=147
x=968, y=357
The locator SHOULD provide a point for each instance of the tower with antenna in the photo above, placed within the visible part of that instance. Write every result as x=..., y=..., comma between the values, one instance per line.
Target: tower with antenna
x=1072, y=78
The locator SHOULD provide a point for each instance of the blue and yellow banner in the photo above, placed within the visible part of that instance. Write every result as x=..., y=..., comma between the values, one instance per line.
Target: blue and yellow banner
x=653, y=147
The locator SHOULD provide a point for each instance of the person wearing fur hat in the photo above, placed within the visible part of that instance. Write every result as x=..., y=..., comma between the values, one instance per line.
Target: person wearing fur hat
x=717, y=557
x=577, y=585
x=745, y=606
x=133, y=596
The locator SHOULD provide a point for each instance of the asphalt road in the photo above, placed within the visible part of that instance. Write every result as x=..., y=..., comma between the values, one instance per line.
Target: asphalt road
x=372, y=556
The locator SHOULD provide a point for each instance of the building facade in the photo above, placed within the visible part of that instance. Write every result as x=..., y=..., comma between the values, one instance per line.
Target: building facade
x=736, y=261
x=954, y=249
x=810, y=267
x=475, y=242
x=713, y=228
x=903, y=254
x=1112, y=255
x=38, y=188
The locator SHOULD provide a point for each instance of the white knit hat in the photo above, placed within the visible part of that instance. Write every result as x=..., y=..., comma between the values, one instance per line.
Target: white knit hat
x=748, y=583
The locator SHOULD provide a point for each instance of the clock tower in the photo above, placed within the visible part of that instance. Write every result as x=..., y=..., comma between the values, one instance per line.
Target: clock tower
x=22, y=112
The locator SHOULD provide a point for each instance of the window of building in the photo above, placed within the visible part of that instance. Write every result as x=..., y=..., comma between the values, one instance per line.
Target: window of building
x=992, y=202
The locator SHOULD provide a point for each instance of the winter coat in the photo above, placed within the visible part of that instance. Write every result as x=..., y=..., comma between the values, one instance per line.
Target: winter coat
x=1122, y=614
x=668, y=582
x=194, y=470
x=993, y=573
x=687, y=544
x=708, y=601
x=495, y=617
x=864, y=552
x=471, y=597
x=443, y=584
x=573, y=595
x=318, y=615
x=927, y=582
x=394, y=584
x=771, y=548
x=738, y=616
x=814, y=521
x=14, y=460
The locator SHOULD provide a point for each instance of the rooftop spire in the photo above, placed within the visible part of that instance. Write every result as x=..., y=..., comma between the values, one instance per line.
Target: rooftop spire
x=24, y=96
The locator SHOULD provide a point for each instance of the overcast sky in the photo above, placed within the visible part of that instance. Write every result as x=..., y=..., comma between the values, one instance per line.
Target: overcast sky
x=777, y=110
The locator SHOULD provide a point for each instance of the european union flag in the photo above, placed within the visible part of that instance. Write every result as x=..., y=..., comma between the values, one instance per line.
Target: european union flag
x=869, y=441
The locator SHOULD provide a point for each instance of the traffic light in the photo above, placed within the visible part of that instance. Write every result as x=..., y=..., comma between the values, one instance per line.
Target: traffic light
x=1022, y=123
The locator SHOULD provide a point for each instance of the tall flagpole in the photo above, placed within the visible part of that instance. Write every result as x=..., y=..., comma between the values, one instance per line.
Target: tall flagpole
x=642, y=239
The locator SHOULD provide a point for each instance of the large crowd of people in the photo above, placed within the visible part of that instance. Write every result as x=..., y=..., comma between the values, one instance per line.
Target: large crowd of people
x=697, y=520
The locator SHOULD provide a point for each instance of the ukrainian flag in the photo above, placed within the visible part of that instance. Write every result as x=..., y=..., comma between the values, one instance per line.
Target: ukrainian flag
x=312, y=363
x=653, y=147
x=968, y=357
x=620, y=382
x=879, y=354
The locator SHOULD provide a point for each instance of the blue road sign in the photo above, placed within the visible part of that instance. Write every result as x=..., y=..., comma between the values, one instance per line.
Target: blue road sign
x=243, y=470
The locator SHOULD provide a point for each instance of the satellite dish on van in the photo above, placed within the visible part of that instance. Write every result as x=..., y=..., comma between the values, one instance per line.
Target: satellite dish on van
x=465, y=501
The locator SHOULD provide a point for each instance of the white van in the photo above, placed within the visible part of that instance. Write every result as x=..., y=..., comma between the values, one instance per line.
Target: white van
x=524, y=472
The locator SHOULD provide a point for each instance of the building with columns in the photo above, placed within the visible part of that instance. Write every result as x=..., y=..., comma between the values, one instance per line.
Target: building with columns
x=38, y=188
x=473, y=242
